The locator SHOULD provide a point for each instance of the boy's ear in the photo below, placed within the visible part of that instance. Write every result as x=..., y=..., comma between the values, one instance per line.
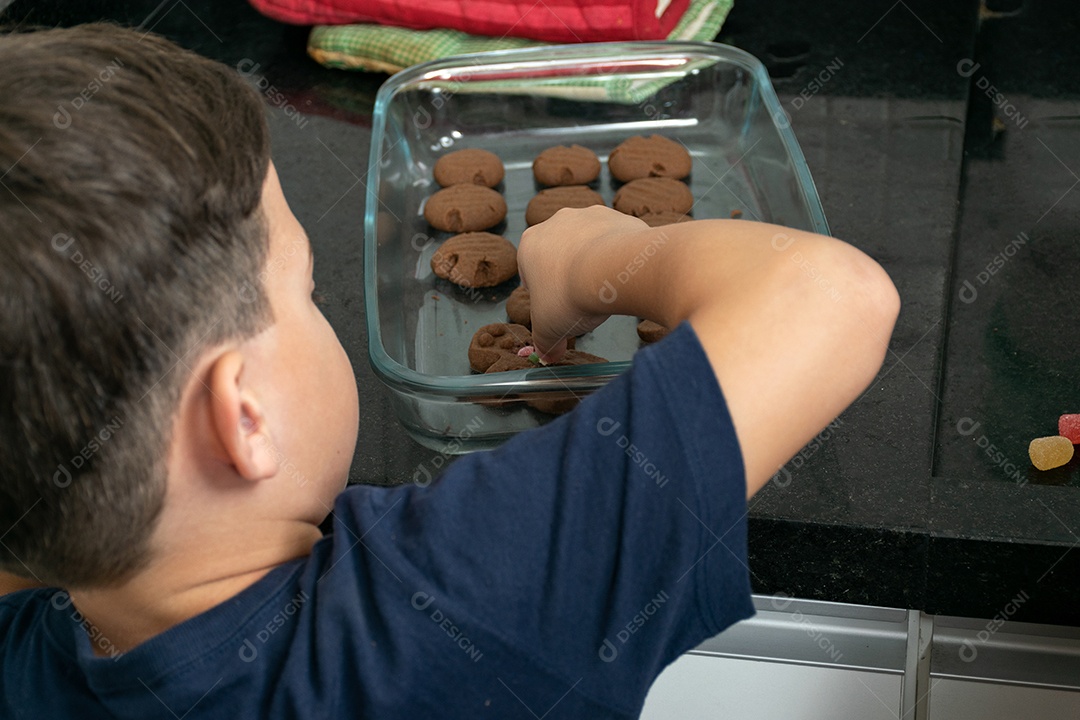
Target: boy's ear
x=238, y=420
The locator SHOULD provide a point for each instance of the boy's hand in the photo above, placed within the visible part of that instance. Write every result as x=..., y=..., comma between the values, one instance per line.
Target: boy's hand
x=548, y=256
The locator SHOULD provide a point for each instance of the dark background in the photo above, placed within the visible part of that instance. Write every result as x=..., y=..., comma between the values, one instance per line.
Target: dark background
x=918, y=165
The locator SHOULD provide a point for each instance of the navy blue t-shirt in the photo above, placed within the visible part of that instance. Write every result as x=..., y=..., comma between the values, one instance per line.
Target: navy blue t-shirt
x=554, y=577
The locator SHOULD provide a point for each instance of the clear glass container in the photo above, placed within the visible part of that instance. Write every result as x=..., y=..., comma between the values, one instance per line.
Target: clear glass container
x=715, y=99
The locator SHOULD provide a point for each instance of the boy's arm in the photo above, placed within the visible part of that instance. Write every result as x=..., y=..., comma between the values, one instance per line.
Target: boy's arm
x=795, y=325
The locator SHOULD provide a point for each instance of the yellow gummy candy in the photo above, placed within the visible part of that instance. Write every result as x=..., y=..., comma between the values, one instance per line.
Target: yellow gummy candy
x=1050, y=452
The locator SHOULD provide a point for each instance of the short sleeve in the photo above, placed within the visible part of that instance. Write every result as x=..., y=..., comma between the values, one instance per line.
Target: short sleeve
x=600, y=546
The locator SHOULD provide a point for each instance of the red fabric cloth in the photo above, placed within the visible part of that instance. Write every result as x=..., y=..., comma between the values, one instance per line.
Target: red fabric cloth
x=563, y=21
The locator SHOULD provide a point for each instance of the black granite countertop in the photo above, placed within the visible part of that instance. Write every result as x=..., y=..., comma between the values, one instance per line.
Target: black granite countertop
x=945, y=141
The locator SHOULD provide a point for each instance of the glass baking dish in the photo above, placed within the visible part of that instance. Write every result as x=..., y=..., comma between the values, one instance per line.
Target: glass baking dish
x=715, y=99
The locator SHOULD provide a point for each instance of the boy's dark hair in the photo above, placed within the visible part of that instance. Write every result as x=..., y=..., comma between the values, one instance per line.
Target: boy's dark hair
x=131, y=239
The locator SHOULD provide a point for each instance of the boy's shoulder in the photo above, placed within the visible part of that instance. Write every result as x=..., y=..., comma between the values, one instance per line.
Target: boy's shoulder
x=503, y=588
x=20, y=609
x=325, y=636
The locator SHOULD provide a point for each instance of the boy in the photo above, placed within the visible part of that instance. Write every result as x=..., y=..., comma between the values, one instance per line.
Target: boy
x=166, y=375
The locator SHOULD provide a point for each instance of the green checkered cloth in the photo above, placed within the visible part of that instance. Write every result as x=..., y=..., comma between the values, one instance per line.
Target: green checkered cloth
x=382, y=48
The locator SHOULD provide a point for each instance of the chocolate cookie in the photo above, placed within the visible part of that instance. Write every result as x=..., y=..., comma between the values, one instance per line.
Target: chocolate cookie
x=650, y=331
x=578, y=357
x=550, y=201
x=564, y=402
x=517, y=362
x=465, y=208
x=510, y=362
x=653, y=195
x=665, y=218
x=552, y=403
x=653, y=156
x=493, y=342
x=517, y=307
x=496, y=341
x=555, y=406
x=562, y=165
x=472, y=167
x=475, y=260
